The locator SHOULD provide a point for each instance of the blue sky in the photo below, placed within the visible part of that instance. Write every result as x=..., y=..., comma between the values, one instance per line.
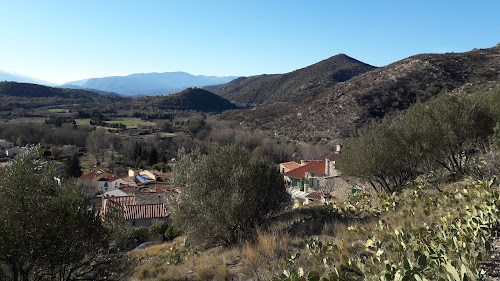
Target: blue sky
x=61, y=41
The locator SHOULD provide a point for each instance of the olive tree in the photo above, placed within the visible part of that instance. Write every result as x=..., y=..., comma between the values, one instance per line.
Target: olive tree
x=380, y=155
x=47, y=231
x=442, y=134
x=225, y=194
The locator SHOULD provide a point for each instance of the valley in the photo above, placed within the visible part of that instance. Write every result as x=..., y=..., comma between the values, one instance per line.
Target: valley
x=380, y=170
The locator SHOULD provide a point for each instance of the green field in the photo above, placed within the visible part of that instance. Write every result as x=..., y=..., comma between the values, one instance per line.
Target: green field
x=83, y=122
x=58, y=110
x=131, y=123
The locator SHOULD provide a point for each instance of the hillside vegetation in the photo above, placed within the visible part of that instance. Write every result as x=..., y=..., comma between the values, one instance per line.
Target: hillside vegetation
x=23, y=95
x=298, y=86
x=429, y=208
x=337, y=111
x=189, y=99
x=418, y=234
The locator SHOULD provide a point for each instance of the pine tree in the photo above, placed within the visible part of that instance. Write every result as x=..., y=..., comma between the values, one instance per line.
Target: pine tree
x=72, y=166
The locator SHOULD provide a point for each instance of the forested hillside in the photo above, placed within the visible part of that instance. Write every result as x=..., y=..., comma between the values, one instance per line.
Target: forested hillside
x=337, y=111
x=297, y=86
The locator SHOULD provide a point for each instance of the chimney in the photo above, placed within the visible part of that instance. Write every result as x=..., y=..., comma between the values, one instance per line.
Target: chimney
x=337, y=148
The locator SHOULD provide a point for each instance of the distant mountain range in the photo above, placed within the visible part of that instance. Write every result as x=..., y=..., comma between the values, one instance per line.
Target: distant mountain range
x=14, y=77
x=148, y=84
x=327, y=100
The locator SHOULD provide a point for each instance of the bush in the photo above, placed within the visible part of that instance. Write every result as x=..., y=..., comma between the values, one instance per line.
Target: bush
x=225, y=194
x=171, y=233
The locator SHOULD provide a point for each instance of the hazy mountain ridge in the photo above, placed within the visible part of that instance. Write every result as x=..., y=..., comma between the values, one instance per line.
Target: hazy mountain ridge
x=21, y=78
x=299, y=85
x=339, y=110
x=150, y=83
x=25, y=95
x=29, y=90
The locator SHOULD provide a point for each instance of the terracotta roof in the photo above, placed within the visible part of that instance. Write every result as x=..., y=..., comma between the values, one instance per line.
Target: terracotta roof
x=109, y=179
x=122, y=200
x=13, y=148
x=157, y=188
x=94, y=174
x=316, y=166
x=314, y=195
x=290, y=165
x=134, y=212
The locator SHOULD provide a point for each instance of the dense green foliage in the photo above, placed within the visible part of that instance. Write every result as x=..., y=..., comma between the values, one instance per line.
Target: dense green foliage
x=72, y=166
x=444, y=133
x=225, y=195
x=192, y=99
x=47, y=232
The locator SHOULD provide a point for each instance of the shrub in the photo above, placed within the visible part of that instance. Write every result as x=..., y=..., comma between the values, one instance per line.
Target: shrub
x=225, y=194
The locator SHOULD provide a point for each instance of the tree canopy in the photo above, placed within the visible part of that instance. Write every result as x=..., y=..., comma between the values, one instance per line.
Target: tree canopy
x=72, y=167
x=443, y=133
x=47, y=232
x=225, y=194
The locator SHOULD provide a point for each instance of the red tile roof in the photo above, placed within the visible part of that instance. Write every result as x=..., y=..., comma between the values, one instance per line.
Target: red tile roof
x=109, y=179
x=134, y=212
x=316, y=166
x=131, y=211
x=95, y=174
x=314, y=195
x=122, y=200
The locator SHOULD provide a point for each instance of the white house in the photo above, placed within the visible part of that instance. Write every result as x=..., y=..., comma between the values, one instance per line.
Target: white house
x=5, y=144
x=11, y=152
x=107, y=183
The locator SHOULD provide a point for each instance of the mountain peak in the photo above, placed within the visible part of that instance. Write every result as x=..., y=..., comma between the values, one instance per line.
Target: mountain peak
x=301, y=84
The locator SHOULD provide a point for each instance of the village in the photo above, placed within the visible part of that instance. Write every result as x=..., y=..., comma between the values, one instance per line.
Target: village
x=143, y=195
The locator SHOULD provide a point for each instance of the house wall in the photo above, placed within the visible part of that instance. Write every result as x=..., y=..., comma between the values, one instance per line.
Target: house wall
x=101, y=185
x=330, y=168
x=13, y=152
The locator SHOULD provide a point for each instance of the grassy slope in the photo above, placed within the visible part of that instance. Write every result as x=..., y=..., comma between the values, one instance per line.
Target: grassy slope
x=419, y=232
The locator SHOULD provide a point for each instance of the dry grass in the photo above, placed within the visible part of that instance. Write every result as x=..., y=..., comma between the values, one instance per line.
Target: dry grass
x=264, y=256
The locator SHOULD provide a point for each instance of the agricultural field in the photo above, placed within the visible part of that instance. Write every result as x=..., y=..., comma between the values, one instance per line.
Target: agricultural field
x=131, y=123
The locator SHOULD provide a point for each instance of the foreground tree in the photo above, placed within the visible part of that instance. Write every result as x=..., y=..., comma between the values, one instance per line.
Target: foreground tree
x=47, y=232
x=225, y=195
